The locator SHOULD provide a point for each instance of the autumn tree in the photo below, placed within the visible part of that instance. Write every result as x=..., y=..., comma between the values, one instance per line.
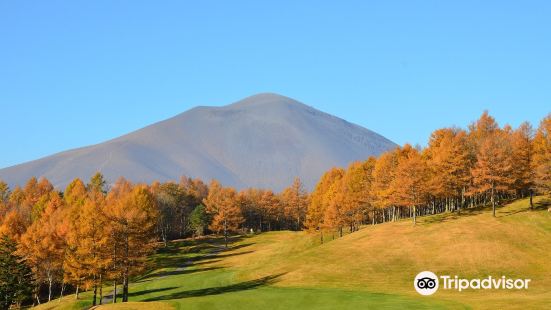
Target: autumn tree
x=89, y=241
x=295, y=199
x=356, y=190
x=221, y=204
x=449, y=160
x=172, y=209
x=75, y=196
x=4, y=192
x=43, y=247
x=319, y=201
x=333, y=218
x=132, y=214
x=493, y=168
x=14, y=224
x=410, y=182
x=98, y=184
x=383, y=177
x=542, y=156
x=522, y=156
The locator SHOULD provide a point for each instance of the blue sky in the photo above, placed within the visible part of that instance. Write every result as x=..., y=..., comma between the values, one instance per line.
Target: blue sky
x=74, y=73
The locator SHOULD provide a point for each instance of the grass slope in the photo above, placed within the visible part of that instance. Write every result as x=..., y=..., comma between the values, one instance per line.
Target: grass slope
x=372, y=268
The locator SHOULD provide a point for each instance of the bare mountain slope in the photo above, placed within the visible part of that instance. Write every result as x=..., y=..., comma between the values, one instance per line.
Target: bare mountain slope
x=261, y=141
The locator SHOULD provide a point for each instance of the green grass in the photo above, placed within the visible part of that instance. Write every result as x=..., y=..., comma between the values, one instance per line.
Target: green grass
x=370, y=269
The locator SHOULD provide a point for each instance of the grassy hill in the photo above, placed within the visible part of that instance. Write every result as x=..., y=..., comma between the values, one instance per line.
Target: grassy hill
x=372, y=268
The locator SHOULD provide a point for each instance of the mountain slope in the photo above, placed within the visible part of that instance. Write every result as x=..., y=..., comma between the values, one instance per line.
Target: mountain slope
x=262, y=141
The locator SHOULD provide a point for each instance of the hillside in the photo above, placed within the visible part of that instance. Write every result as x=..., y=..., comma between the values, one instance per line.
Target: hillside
x=238, y=144
x=374, y=267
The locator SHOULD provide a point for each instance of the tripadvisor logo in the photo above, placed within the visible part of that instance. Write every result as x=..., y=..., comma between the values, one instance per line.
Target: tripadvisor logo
x=427, y=283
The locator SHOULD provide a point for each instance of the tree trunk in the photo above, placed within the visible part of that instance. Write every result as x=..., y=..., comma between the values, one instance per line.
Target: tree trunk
x=50, y=282
x=126, y=271
x=321, y=236
x=100, y=289
x=125, y=288
x=76, y=293
x=414, y=215
x=226, y=233
x=62, y=291
x=493, y=202
x=531, y=199
x=115, y=291
x=94, y=298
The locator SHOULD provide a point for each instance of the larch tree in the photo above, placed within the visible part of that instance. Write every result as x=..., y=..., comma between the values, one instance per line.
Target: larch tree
x=542, y=156
x=97, y=183
x=14, y=225
x=522, y=154
x=132, y=213
x=449, y=158
x=383, y=176
x=222, y=205
x=410, y=182
x=334, y=216
x=493, y=168
x=319, y=200
x=75, y=196
x=4, y=192
x=356, y=192
x=89, y=242
x=172, y=209
x=295, y=199
x=43, y=248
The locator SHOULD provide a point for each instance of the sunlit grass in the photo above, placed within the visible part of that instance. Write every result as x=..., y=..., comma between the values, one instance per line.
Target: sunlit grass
x=372, y=268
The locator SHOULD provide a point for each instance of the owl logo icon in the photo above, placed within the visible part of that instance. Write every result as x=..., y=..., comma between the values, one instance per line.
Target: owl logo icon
x=426, y=283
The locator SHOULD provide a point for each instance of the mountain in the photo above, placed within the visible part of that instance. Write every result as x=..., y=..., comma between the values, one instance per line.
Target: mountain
x=261, y=141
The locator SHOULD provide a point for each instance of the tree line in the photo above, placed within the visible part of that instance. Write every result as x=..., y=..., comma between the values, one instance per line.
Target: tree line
x=92, y=235
x=483, y=165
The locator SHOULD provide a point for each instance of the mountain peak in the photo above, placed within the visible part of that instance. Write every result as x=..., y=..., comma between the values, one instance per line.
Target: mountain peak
x=263, y=141
x=264, y=99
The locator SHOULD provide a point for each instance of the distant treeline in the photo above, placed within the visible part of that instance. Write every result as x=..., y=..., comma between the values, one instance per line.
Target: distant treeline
x=89, y=235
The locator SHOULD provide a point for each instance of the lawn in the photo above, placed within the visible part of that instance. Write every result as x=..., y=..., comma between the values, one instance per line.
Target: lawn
x=370, y=269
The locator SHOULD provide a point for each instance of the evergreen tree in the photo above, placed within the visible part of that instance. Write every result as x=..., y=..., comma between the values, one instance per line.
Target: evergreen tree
x=16, y=278
x=199, y=220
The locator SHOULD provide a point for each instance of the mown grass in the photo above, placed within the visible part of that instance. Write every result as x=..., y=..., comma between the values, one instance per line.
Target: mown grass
x=372, y=268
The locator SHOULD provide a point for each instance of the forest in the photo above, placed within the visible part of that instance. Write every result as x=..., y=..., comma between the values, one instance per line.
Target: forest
x=93, y=234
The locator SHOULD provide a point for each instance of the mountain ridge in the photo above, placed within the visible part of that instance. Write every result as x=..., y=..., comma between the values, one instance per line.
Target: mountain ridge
x=239, y=144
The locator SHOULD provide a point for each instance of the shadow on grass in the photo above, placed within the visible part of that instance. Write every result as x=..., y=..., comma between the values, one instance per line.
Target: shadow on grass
x=178, y=272
x=144, y=292
x=186, y=255
x=542, y=204
x=238, y=287
x=452, y=216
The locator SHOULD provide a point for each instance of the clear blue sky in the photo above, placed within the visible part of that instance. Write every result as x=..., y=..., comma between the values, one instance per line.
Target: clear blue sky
x=74, y=73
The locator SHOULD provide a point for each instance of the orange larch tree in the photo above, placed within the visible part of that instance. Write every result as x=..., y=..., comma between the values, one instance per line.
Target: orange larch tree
x=295, y=199
x=542, y=156
x=222, y=204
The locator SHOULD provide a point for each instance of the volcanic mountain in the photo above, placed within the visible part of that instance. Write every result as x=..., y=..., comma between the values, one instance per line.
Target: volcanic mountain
x=262, y=141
